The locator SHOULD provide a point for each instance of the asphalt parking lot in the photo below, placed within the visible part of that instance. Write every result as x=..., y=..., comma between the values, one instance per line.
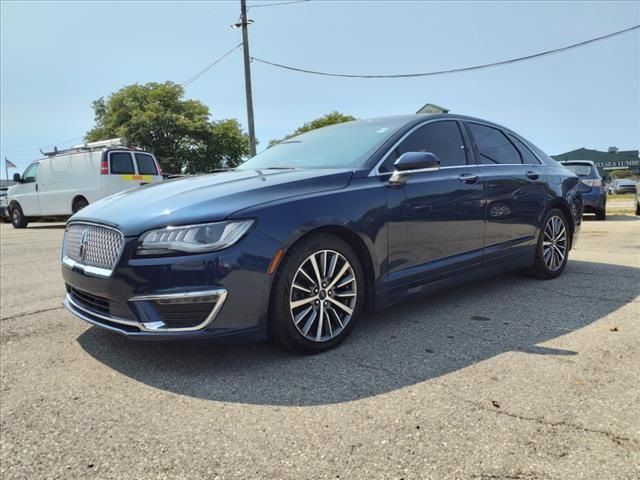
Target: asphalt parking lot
x=513, y=378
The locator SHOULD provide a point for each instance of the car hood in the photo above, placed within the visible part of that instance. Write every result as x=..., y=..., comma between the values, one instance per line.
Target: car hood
x=206, y=198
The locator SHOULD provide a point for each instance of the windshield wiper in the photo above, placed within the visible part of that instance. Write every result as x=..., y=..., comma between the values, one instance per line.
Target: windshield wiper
x=278, y=168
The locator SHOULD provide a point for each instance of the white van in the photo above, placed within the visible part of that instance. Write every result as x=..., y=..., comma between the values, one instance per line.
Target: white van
x=65, y=181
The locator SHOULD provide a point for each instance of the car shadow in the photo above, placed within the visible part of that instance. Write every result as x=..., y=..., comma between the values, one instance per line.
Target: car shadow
x=395, y=348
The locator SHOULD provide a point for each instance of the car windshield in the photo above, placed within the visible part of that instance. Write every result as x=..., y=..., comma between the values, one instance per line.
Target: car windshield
x=625, y=182
x=345, y=145
x=580, y=169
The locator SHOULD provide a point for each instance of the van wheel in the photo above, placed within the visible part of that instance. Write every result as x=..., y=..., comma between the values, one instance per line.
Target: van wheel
x=79, y=204
x=18, y=220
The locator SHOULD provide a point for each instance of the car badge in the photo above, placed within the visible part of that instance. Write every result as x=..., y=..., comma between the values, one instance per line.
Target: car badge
x=84, y=240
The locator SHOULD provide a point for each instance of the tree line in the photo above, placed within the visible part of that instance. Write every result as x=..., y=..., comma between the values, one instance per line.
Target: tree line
x=179, y=131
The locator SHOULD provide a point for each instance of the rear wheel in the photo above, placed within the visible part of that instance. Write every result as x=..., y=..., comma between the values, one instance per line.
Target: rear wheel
x=637, y=208
x=18, y=220
x=317, y=296
x=552, y=250
x=79, y=204
x=601, y=214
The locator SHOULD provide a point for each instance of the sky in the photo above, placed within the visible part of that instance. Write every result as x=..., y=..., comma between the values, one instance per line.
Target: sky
x=57, y=57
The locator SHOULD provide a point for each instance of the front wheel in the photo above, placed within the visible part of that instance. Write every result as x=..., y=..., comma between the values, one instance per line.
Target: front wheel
x=18, y=220
x=552, y=250
x=317, y=296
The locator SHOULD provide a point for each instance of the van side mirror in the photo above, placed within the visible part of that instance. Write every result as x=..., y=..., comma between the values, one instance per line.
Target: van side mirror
x=413, y=162
x=16, y=178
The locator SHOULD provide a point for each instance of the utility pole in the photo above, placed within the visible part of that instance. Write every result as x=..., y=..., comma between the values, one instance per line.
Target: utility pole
x=247, y=76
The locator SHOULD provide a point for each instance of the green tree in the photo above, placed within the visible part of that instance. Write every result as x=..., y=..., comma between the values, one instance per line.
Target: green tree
x=622, y=174
x=179, y=132
x=328, y=119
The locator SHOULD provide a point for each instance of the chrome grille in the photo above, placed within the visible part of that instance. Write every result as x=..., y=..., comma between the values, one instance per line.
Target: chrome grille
x=93, y=245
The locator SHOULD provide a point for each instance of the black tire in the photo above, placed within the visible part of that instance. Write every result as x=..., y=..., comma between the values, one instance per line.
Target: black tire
x=540, y=268
x=283, y=328
x=637, y=208
x=601, y=214
x=18, y=220
x=79, y=204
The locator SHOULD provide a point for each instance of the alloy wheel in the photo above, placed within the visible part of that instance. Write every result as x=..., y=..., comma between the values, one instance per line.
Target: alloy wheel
x=554, y=245
x=323, y=295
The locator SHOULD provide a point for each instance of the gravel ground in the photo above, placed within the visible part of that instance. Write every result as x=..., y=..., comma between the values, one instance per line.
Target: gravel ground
x=511, y=378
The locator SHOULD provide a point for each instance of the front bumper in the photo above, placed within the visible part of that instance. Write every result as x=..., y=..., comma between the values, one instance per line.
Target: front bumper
x=4, y=212
x=134, y=300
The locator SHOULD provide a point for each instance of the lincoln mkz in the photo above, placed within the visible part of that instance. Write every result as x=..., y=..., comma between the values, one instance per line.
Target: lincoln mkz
x=299, y=241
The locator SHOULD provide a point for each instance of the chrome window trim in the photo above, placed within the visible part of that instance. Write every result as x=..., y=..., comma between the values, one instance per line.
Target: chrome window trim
x=88, y=269
x=220, y=293
x=375, y=173
x=153, y=327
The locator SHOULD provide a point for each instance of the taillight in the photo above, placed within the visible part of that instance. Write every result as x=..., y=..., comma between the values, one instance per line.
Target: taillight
x=104, y=167
x=595, y=182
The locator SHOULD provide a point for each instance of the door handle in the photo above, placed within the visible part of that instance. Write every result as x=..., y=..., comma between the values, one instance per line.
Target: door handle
x=36, y=187
x=468, y=178
x=532, y=175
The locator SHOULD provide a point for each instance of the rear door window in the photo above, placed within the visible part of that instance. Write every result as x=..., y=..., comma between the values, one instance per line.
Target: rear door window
x=146, y=164
x=493, y=146
x=527, y=155
x=121, y=163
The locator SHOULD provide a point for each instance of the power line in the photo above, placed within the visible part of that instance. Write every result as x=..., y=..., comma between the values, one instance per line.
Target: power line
x=276, y=4
x=453, y=70
x=24, y=150
x=208, y=67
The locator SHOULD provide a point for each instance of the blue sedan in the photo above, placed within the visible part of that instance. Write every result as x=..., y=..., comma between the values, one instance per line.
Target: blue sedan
x=301, y=240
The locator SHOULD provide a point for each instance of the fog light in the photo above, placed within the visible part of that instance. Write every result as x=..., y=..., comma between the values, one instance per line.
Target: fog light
x=182, y=300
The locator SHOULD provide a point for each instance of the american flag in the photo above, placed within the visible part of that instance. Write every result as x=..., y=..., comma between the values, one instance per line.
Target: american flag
x=9, y=164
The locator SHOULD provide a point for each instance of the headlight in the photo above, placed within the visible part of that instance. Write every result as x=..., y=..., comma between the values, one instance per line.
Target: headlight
x=206, y=237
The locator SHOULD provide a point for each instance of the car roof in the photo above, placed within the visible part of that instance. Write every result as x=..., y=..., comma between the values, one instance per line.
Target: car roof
x=418, y=117
x=578, y=162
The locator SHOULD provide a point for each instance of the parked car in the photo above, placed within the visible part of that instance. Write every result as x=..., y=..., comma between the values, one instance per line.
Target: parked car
x=622, y=185
x=66, y=181
x=4, y=206
x=301, y=239
x=594, y=193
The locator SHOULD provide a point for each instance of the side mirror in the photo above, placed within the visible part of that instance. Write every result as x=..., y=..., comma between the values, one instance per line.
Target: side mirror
x=414, y=162
x=417, y=161
x=16, y=178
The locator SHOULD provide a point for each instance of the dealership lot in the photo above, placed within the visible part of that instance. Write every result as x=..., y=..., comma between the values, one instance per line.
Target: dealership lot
x=510, y=378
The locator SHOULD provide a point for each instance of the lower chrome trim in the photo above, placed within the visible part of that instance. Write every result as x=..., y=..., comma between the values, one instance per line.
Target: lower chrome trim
x=108, y=318
x=150, y=327
x=220, y=293
x=95, y=271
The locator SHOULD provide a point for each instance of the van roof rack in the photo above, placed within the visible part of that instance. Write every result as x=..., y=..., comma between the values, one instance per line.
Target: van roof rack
x=112, y=142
